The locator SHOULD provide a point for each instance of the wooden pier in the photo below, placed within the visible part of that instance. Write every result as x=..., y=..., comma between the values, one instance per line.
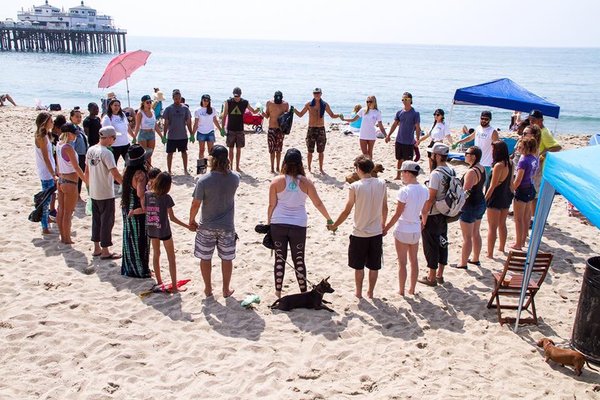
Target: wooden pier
x=20, y=38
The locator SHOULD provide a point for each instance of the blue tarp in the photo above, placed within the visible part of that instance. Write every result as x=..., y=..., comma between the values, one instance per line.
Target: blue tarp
x=506, y=94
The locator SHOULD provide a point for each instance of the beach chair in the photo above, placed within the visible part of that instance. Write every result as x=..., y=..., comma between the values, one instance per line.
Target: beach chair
x=508, y=284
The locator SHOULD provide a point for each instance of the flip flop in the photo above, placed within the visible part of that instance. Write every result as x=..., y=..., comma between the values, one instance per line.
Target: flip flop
x=111, y=256
x=96, y=254
x=456, y=266
x=427, y=282
x=478, y=263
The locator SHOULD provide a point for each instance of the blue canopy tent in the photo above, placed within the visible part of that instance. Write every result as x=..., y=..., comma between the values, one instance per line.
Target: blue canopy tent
x=506, y=94
x=576, y=176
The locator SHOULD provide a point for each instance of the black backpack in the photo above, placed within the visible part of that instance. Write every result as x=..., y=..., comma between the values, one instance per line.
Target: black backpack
x=285, y=121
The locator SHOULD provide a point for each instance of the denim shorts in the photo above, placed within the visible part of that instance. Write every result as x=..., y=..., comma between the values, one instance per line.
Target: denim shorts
x=525, y=194
x=474, y=213
x=205, y=137
x=146, y=134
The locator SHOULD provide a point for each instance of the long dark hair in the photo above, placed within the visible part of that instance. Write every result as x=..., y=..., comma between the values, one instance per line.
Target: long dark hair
x=500, y=153
x=437, y=111
x=128, y=175
x=292, y=169
x=109, y=111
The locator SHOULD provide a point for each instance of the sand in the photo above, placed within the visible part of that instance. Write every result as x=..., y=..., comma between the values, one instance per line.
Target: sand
x=71, y=327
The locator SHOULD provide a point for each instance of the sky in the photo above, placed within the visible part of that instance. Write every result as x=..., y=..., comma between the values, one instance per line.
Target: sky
x=530, y=23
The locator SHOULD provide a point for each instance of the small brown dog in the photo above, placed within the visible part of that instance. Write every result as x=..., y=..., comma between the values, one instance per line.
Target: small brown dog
x=353, y=177
x=563, y=356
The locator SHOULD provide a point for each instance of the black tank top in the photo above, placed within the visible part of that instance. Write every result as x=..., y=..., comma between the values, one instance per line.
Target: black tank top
x=476, y=196
x=235, y=114
x=502, y=196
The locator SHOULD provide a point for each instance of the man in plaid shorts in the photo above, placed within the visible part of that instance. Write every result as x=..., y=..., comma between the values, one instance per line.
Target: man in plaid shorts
x=215, y=193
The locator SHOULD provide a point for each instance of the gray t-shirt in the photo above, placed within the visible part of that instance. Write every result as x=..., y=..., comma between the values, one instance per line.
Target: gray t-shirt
x=217, y=190
x=157, y=215
x=406, y=127
x=177, y=117
x=437, y=181
x=100, y=160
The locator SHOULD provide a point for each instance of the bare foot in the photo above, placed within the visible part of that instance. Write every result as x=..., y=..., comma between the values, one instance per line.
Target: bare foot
x=490, y=256
x=208, y=292
x=46, y=231
x=370, y=294
x=272, y=171
x=67, y=241
x=358, y=295
x=227, y=293
x=514, y=246
x=401, y=293
x=238, y=170
x=411, y=292
x=397, y=178
x=322, y=172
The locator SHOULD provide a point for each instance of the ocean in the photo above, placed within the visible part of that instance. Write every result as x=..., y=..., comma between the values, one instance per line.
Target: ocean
x=346, y=72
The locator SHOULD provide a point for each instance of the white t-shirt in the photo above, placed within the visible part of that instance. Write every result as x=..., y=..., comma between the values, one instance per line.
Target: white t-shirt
x=414, y=197
x=100, y=160
x=483, y=140
x=369, y=120
x=206, y=123
x=369, y=194
x=120, y=124
x=439, y=132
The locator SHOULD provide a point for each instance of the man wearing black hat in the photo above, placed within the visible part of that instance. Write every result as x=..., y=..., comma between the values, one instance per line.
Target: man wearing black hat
x=316, y=108
x=233, y=114
x=547, y=141
x=177, y=119
x=215, y=193
x=273, y=111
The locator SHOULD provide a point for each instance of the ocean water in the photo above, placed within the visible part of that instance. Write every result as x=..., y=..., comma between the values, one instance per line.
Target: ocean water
x=346, y=72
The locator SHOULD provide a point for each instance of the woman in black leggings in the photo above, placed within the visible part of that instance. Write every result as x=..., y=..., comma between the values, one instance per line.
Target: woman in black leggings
x=287, y=216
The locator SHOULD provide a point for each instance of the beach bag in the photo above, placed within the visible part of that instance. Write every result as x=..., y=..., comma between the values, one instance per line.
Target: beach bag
x=285, y=122
x=454, y=196
x=54, y=107
x=38, y=202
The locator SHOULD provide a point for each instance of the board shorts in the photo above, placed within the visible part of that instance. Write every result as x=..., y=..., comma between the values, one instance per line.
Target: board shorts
x=235, y=139
x=365, y=252
x=275, y=140
x=176, y=145
x=205, y=137
x=316, y=136
x=404, y=151
x=208, y=239
x=146, y=134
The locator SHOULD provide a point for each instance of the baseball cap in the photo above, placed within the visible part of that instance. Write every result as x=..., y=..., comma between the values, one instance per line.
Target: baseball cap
x=486, y=114
x=219, y=152
x=536, y=114
x=438, y=148
x=205, y=97
x=237, y=91
x=146, y=98
x=176, y=91
x=68, y=127
x=411, y=166
x=108, y=131
x=293, y=156
x=317, y=90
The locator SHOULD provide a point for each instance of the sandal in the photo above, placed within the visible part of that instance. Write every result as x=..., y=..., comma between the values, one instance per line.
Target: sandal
x=478, y=263
x=456, y=266
x=111, y=256
x=427, y=282
x=439, y=280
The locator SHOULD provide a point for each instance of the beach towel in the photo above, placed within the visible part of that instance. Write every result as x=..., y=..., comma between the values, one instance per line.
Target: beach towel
x=323, y=106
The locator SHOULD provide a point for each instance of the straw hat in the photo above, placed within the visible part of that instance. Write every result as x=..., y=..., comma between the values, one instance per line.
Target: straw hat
x=159, y=96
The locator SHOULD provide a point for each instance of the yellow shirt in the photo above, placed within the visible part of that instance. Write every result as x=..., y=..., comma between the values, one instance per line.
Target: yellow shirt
x=547, y=141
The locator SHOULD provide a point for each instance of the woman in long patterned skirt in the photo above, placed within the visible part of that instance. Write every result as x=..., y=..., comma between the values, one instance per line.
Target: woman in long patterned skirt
x=136, y=249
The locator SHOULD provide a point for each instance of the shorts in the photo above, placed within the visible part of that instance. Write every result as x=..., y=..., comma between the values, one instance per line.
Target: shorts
x=407, y=237
x=207, y=239
x=474, y=213
x=162, y=238
x=365, y=252
x=404, y=151
x=316, y=136
x=275, y=140
x=525, y=194
x=176, y=145
x=235, y=139
x=146, y=134
x=205, y=137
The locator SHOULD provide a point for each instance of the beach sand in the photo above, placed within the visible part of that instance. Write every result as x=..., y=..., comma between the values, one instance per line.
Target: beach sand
x=72, y=327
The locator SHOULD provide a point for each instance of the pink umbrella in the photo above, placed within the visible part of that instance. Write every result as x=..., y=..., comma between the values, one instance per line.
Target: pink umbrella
x=121, y=67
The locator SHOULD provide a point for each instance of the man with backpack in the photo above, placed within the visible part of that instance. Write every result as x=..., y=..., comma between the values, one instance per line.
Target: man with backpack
x=446, y=198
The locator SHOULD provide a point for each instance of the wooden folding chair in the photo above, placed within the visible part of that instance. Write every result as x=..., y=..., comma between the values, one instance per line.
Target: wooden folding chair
x=508, y=283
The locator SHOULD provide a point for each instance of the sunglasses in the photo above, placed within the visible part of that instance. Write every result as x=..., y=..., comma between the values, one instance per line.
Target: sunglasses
x=148, y=102
x=485, y=119
x=436, y=115
x=405, y=99
x=469, y=154
x=369, y=101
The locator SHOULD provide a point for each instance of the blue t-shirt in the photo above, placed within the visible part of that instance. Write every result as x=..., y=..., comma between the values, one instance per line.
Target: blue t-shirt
x=406, y=127
x=529, y=165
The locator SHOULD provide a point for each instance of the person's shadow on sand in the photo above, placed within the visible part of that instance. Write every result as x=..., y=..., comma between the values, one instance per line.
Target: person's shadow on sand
x=317, y=322
x=232, y=320
x=390, y=320
x=437, y=317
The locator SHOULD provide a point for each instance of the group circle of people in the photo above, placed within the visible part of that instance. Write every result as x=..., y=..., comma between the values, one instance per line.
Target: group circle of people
x=68, y=155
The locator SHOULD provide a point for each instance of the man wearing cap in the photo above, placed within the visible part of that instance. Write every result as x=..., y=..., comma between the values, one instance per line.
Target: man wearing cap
x=369, y=194
x=233, y=111
x=408, y=121
x=101, y=171
x=215, y=193
x=177, y=118
x=435, y=225
x=273, y=111
x=316, y=108
x=484, y=136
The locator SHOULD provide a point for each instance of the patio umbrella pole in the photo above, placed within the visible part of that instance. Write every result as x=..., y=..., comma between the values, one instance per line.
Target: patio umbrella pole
x=127, y=84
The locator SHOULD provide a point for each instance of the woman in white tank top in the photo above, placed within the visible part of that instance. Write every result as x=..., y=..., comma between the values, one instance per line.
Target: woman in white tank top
x=68, y=171
x=146, y=127
x=287, y=216
x=44, y=161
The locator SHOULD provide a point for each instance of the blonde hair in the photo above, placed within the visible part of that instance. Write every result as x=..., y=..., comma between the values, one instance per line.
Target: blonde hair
x=356, y=108
x=374, y=100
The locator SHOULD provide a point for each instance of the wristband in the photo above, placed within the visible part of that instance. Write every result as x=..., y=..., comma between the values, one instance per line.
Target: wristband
x=329, y=222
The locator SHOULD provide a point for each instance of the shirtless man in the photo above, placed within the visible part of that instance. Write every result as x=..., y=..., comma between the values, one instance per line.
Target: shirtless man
x=6, y=97
x=316, y=126
x=273, y=111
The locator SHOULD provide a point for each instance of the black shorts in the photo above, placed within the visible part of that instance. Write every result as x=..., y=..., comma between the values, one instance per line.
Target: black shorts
x=162, y=238
x=176, y=145
x=365, y=252
x=404, y=151
x=525, y=194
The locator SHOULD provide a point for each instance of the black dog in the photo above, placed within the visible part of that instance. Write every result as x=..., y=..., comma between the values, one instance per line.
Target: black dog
x=312, y=299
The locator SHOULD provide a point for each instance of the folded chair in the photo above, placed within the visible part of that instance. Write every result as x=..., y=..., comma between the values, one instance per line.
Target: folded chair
x=508, y=284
